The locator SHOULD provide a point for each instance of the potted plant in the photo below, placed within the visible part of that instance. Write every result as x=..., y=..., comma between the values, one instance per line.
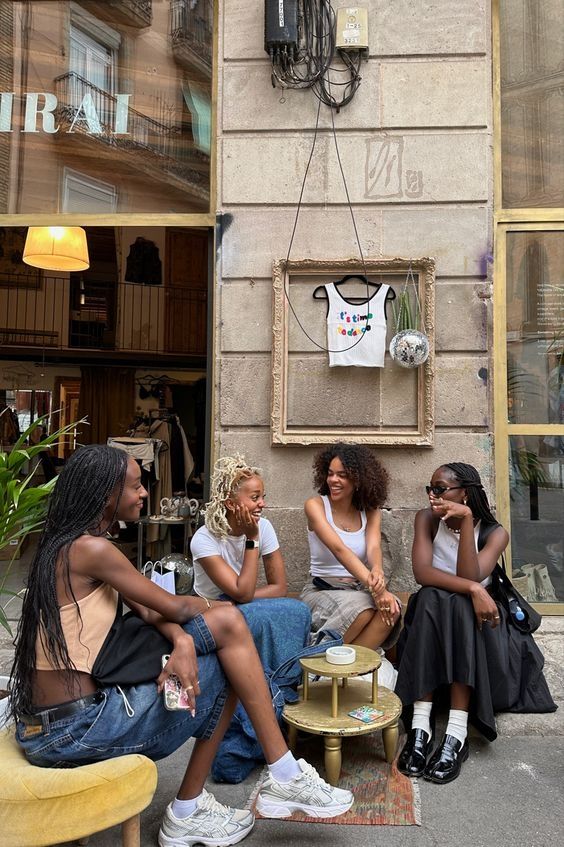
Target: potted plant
x=22, y=506
x=409, y=347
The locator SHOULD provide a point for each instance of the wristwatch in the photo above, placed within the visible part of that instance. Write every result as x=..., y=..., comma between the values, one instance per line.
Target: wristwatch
x=251, y=544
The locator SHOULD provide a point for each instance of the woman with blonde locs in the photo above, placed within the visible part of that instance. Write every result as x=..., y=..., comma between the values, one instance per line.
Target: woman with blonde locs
x=344, y=534
x=457, y=640
x=87, y=681
x=227, y=554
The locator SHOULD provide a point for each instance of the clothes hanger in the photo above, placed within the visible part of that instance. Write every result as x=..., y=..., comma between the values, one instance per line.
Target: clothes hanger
x=320, y=293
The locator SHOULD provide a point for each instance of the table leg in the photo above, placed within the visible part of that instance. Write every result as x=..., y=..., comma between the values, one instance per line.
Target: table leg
x=292, y=737
x=390, y=736
x=375, y=687
x=334, y=697
x=332, y=758
x=305, y=689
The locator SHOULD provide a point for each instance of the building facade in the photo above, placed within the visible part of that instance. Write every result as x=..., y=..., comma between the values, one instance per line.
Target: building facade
x=451, y=154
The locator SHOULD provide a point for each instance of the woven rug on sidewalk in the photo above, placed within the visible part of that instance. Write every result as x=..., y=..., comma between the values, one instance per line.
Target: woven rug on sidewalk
x=382, y=794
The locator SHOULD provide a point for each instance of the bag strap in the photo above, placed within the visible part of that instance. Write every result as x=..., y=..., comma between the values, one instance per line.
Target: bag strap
x=484, y=531
x=325, y=638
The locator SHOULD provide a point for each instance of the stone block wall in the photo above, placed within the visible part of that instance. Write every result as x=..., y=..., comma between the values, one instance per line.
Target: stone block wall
x=425, y=96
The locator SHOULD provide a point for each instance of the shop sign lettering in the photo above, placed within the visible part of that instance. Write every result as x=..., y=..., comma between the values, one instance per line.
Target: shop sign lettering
x=40, y=108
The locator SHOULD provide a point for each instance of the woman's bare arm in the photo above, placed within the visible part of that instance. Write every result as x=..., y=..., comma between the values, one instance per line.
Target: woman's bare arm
x=275, y=572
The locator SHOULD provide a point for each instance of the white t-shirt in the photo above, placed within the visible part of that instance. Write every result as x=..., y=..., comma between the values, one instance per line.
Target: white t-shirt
x=231, y=550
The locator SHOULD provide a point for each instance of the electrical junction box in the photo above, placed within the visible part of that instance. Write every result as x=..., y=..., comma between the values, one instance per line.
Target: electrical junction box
x=352, y=28
x=281, y=25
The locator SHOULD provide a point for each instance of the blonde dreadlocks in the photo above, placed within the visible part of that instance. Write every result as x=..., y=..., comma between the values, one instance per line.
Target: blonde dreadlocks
x=228, y=474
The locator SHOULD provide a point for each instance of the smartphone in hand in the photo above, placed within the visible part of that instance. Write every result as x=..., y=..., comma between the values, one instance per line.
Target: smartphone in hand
x=175, y=696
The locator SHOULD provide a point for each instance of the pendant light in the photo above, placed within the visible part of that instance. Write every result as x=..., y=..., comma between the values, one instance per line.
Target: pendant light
x=56, y=248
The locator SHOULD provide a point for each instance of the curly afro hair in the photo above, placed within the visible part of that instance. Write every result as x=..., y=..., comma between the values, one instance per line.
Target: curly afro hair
x=369, y=477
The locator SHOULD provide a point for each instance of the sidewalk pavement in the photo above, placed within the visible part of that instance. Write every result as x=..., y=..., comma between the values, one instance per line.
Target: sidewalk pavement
x=509, y=794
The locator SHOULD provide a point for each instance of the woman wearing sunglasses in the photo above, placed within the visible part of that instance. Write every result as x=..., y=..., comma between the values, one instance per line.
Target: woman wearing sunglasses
x=456, y=639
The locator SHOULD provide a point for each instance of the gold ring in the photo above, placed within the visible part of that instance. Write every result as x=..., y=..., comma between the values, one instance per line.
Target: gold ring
x=189, y=688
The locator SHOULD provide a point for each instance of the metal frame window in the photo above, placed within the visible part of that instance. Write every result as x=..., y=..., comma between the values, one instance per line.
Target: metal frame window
x=525, y=143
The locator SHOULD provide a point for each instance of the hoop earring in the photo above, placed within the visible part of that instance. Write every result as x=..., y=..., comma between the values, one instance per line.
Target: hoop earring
x=465, y=501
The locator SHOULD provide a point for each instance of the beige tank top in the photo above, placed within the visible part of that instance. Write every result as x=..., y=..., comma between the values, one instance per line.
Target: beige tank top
x=84, y=637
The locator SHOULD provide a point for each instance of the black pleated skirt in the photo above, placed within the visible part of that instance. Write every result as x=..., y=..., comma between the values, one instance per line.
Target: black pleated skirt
x=441, y=644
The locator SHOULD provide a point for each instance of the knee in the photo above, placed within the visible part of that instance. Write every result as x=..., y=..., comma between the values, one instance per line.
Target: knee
x=228, y=623
x=364, y=618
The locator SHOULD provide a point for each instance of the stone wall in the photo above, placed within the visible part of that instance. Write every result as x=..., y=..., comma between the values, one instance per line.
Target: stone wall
x=425, y=95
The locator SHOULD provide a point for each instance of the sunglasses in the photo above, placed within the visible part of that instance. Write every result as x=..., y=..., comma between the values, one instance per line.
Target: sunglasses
x=438, y=490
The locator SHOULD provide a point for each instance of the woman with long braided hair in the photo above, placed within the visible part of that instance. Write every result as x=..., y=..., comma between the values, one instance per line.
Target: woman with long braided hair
x=456, y=639
x=87, y=680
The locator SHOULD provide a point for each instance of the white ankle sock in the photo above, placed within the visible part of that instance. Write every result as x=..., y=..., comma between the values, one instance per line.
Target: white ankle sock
x=184, y=808
x=285, y=768
x=457, y=724
x=422, y=716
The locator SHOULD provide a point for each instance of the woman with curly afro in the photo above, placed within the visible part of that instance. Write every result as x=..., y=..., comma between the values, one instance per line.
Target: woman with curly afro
x=345, y=548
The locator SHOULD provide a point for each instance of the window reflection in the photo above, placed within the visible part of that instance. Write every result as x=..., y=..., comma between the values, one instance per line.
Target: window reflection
x=532, y=103
x=536, y=474
x=118, y=93
x=535, y=327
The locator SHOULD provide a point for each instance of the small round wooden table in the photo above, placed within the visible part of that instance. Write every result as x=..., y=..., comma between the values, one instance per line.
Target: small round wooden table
x=325, y=706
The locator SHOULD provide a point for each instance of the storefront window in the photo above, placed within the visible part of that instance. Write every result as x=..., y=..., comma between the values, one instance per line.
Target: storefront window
x=536, y=474
x=535, y=327
x=529, y=293
x=532, y=103
x=118, y=93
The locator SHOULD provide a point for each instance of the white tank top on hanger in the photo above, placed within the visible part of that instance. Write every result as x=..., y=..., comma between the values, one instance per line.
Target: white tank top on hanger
x=347, y=322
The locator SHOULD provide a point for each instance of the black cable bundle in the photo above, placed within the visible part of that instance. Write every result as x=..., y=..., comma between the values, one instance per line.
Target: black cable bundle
x=311, y=65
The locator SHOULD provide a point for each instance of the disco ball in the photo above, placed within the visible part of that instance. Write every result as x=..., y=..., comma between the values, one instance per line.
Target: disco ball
x=183, y=571
x=409, y=348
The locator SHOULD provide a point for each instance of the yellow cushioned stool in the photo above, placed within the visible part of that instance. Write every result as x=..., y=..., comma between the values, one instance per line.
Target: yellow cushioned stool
x=44, y=806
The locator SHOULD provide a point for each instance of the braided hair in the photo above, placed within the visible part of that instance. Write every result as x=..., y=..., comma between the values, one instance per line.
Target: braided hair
x=228, y=475
x=76, y=507
x=468, y=477
x=368, y=476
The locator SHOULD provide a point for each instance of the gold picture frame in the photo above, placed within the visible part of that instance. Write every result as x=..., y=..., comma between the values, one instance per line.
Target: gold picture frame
x=418, y=434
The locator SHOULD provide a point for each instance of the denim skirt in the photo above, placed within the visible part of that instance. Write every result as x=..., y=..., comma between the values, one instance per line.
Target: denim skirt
x=132, y=719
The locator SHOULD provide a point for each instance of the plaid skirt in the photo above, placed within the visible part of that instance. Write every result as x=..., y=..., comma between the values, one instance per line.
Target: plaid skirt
x=338, y=610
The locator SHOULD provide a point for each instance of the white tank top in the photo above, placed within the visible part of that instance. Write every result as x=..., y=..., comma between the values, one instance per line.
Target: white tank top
x=347, y=322
x=323, y=562
x=445, y=549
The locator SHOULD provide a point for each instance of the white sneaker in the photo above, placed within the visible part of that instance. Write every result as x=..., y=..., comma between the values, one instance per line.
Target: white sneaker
x=212, y=824
x=307, y=793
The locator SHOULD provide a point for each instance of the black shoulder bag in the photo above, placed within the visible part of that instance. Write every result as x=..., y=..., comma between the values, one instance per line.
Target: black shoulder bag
x=520, y=613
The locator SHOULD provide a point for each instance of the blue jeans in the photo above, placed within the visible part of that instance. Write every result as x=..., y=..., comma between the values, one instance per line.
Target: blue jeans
x=132, y=719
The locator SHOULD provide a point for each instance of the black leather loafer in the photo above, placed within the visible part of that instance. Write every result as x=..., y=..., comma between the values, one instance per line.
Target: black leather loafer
x=413, y=757
x=446, y=762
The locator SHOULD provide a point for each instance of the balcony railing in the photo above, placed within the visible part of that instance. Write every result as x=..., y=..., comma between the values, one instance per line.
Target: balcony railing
x=192, y=34
x=159, y=319
x=137, y=13
x=162, y=145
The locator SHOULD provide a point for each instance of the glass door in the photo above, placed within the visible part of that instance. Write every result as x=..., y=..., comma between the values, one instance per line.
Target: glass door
x=530, y=386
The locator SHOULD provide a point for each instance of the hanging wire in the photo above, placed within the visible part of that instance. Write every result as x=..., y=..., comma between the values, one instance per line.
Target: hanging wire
x=298, y=208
